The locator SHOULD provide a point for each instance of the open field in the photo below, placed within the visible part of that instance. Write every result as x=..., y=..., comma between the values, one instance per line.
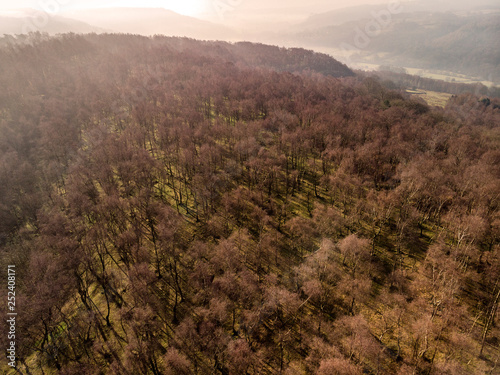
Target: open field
x=447, y=76
x=433, y=98
x=370, y=65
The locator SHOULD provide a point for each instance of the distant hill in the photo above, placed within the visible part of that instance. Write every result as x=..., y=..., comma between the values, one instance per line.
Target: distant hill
x=143, y=21
x=339, y=16
x=360, y=12
x=27, y=20
x=151, y=21
x=463, y=43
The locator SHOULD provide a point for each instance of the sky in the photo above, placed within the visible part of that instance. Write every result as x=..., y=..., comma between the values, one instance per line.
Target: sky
x=233, y=13
x=195, y=8
x=187, y=7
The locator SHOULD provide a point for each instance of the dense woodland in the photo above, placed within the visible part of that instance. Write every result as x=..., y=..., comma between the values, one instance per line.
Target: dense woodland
x=184, y=207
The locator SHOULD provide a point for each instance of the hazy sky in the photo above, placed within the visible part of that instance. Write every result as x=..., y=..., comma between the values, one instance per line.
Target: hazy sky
x=235, y=13
x=193, y=7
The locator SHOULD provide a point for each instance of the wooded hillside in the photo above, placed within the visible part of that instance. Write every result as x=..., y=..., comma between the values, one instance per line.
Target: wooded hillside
x=173, y=210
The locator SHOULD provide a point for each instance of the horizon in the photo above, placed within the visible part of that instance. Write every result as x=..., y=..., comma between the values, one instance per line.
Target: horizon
x=238, y=14
x=209, y=10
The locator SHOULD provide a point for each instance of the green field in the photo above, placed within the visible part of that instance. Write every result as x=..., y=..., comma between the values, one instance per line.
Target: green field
x=448, y=76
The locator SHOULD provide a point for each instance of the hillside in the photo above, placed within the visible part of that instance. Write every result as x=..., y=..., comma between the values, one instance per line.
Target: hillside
x=362, y=12
x=25, y=21
x=465, y=43
x=173, y=206
x=150, y=21
x=142, y=21
x=402, y=80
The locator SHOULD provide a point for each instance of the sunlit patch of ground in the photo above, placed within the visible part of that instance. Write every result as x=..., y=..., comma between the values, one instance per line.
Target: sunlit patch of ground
x=433, y=98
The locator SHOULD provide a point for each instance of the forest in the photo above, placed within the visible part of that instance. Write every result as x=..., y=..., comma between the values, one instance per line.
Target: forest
x=173, y=206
